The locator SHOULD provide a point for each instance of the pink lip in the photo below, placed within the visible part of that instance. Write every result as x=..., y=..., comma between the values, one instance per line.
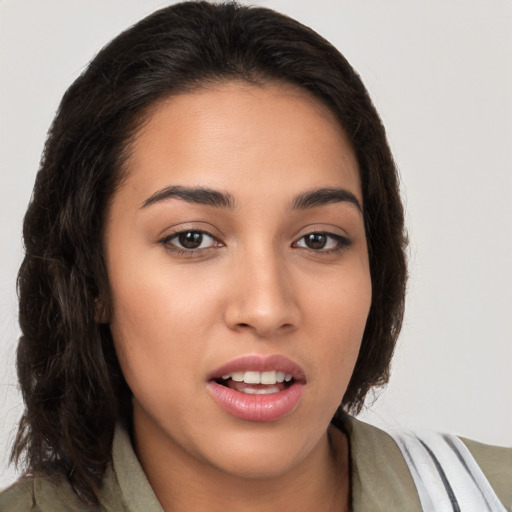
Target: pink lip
x=271, y=407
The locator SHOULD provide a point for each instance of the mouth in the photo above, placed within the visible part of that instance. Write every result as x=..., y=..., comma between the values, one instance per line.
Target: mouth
x=257, y=383
x=257, y=388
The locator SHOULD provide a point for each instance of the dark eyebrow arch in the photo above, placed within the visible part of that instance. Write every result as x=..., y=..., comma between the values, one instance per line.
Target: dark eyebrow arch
x=321, y=196
x=198, y=195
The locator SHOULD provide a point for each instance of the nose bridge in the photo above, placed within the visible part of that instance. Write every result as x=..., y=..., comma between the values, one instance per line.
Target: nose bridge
x=263, y=298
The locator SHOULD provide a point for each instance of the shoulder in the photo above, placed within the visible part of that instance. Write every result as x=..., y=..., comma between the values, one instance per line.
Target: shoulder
x=124, y=487
x=496, y=464
x=42, y=493
x=373, y=444
x=19, y=497
x=381, y=480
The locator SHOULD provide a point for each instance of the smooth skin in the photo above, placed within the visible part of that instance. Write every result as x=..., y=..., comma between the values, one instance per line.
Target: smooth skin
x=194, y=286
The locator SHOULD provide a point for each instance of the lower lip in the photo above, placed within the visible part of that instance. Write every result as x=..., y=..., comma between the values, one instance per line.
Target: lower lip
x=271, y=407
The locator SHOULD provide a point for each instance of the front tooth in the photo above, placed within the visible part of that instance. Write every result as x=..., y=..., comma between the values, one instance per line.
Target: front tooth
x=280, y=376
x=252, y=377
x=261, y=391
x=268, y=377
x=288, y=377
x=237, y=376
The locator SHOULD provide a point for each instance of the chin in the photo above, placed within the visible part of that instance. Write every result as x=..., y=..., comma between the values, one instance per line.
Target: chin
x=260, y=452
x=257, y=466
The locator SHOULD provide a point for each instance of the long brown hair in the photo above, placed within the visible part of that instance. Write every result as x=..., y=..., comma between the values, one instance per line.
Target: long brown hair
x=72, y=385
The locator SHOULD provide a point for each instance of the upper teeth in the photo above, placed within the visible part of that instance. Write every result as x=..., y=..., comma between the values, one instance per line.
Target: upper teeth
x=258, y=377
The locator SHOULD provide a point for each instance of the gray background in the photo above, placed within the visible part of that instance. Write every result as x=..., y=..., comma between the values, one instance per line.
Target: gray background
x=440, y=73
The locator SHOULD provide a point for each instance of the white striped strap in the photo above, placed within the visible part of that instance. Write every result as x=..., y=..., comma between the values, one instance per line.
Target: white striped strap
x=446, y=475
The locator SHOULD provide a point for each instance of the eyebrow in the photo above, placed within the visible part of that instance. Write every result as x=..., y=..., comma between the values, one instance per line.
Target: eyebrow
x=207, y=196
x=198, y=195
x=321, y=196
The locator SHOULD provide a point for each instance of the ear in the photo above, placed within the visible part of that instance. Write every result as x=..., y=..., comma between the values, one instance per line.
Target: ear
x=101, y=315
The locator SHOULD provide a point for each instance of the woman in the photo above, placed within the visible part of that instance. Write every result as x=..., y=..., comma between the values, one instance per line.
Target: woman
x=214, y=278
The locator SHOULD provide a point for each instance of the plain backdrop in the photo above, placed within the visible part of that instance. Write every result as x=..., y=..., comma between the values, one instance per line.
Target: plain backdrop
x=440, y=74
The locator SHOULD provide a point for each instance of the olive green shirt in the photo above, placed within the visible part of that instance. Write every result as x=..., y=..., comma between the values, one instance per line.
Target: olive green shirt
x=381, y=481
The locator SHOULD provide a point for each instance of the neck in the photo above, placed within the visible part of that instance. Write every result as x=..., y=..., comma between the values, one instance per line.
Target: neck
x=319, y=482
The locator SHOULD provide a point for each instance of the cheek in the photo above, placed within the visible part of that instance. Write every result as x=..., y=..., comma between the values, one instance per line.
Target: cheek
x=162, y=316
x=145, y=324
x=157, y=348
x=342, y=301
x=153, y=299
x=340, y=319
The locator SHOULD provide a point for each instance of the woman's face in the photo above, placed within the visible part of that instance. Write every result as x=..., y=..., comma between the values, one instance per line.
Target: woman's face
x=236, y=254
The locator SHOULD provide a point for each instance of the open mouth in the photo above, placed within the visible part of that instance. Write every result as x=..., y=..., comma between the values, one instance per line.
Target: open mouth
x=257, y=383
x=258, y=388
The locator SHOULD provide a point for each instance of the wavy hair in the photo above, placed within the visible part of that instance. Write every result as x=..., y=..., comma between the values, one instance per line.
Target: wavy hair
x=72, y=385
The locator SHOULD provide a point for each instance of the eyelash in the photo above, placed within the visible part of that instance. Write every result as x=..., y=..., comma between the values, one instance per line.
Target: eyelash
x=341, y=242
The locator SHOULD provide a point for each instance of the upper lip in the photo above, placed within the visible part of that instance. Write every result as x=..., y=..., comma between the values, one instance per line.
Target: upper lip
x=258, y=363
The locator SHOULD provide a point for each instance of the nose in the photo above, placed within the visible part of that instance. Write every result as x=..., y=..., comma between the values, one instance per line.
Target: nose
x=262, y=297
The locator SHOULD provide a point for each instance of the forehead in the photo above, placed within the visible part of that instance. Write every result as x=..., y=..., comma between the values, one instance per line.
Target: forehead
x=266, y=136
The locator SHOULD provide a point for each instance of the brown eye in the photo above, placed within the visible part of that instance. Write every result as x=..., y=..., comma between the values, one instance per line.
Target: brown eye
x=315, y=240
x=323, y=242
x=190, y=239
